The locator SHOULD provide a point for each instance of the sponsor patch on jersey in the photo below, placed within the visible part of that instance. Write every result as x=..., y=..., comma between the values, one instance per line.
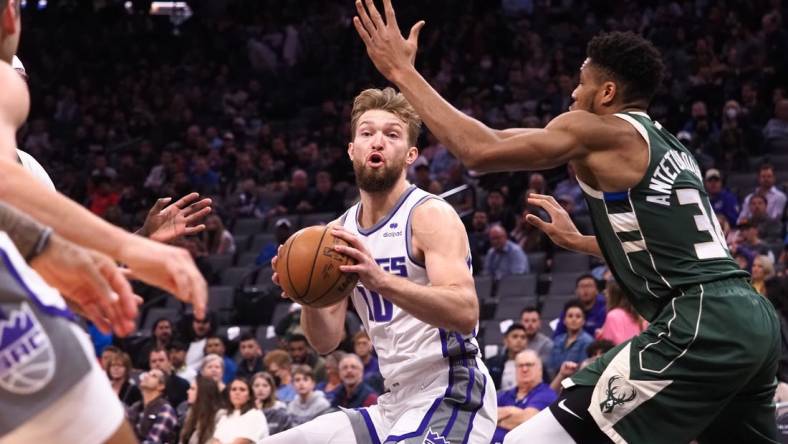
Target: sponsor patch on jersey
x=27, y=359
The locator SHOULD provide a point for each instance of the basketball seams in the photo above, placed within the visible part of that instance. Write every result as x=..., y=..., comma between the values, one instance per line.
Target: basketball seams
x=314, y=261
x=287, y=265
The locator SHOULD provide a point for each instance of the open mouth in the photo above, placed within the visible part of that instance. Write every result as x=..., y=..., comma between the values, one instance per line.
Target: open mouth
x=375, y=160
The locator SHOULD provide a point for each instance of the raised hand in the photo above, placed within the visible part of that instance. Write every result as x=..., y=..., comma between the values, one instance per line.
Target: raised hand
x=167, y=223
x=560, y=228
x=91, y=282
x=389, y=51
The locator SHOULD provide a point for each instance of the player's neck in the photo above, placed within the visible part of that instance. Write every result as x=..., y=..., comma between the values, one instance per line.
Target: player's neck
x=375, y=206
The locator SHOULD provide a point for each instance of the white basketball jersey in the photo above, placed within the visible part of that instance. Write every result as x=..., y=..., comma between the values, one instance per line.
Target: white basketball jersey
x=404, y=344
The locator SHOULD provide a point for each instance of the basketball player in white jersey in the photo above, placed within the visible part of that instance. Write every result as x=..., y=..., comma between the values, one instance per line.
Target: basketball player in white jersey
x=415, y=296
x=51, y=388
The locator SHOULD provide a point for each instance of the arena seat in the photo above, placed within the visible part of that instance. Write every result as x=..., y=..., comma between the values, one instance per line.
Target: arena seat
x=234, y=275
x=516, y=286
x=248, y=226
x=567, y=261
x=563, y=283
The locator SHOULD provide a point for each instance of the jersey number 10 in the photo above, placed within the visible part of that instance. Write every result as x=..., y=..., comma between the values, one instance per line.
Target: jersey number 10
x=380, y=310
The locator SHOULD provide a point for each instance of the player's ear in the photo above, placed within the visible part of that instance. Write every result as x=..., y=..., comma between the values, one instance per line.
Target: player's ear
x=608, y=92
x=350, y=150
x=411, y=155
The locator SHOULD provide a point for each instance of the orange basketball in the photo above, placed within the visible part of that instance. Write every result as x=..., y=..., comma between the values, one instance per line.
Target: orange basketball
x=308, y=268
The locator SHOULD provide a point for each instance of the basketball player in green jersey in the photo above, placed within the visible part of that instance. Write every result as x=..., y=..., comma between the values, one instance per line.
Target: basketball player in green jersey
x=705, y=368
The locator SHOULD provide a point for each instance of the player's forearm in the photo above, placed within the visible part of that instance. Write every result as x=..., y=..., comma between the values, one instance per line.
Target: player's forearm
x=70, y=220
x=323, y=327
x=587, y=245
x=451, y=307
x=464, y=136
x=28, y=236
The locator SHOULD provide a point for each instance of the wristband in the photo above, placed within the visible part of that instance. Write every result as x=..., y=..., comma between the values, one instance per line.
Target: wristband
x=41, y=244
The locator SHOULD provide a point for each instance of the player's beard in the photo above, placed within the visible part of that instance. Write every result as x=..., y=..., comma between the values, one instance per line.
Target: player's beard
x=378, y=180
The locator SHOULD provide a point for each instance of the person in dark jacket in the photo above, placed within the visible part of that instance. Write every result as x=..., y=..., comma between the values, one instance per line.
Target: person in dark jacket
x=501, y=367
x=354, y=392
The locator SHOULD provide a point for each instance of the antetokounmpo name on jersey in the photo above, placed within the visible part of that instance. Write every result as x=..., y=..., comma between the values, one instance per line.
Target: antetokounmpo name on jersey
x=673, y=163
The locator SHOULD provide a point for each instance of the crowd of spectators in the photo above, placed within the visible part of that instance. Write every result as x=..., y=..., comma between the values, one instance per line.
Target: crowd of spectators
x=248, y=103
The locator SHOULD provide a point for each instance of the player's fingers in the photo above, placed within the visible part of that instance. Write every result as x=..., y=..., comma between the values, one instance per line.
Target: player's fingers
x=388, y=10
x=351, y=268
x=374, y=14
x=350, y=251
x=194, y=230
x=197, y=207
x=275, y=279
x=545, y=205
x=160, y=204
x=197, y=215
x=92, y=312
x=350, y=239
x=362, y=31
x=413, y=37
x=550, y=200
x=365, y=20
x=186, y=200
x=537, y=222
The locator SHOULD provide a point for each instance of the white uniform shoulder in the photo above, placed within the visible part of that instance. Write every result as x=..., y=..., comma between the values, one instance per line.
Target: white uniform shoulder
x=35, y=168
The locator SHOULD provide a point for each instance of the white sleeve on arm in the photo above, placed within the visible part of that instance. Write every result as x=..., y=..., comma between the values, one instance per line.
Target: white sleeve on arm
x=35, y=168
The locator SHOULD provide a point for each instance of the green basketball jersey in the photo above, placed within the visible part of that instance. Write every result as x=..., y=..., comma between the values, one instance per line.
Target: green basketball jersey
x=662, y=234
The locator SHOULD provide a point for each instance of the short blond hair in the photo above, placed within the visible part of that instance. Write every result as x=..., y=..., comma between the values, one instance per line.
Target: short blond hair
x=389, y=100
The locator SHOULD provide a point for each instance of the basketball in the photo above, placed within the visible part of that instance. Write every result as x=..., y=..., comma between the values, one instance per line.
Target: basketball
x=308, y=268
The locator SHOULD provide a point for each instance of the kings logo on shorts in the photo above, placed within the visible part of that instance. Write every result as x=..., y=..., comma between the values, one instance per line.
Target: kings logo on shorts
x=27, y=360
x=434, y=438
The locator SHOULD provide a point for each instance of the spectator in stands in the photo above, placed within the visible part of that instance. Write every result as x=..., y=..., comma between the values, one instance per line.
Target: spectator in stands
x=537, y=341
x=774, y=197
x=213, y=367
x=775, y=133
x=504, y=257
x=330, y=386
x=622, y=321
x=203, y=178
x=722, y=200
x=762, y=271
x=175, y=387
x=479, y=239
x=214, y=345
x=537, y=184
x=119, y=373
x=216, y=238
x=592, y=302
x=240, y=422
x=324, y=198
x=275, y=411
x=200, y=329
x=750, y=241
x=153, y=418
x=700, y=126
x=296, y=199
x=769, y=229
x=572, y=344
x=177, y=354
x=103, y=197
x=531, y=239
x=251, y=361
x=498, y=212
x=204, y=401
x=502, y=366
x=362, y=347
x=302, y=354
x=108, y=354
x=282, y=232
x=279, y=364
x=526, y=399
x=570, y=187
x=354, y=392
x=162, y=336
x=569, y=368
x=424, y=181
x=309, y=404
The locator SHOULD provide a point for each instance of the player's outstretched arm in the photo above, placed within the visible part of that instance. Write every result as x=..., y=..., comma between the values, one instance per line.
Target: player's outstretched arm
x=560, y=229
x=450, y=300
x=169, y=268
x=476, y=145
